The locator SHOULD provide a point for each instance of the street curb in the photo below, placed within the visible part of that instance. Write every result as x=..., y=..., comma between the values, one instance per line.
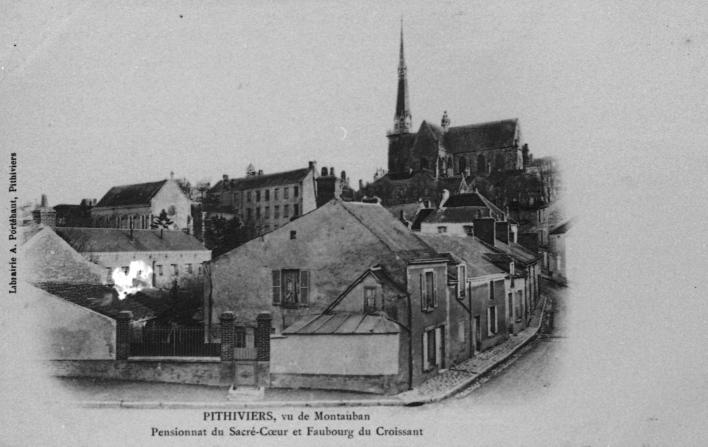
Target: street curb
x=321, y=403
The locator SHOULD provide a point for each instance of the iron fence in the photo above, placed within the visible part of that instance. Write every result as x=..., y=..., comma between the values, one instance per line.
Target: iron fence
x=172, y=341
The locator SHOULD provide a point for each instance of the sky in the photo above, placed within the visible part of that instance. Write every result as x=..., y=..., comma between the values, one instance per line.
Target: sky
x=96, y=94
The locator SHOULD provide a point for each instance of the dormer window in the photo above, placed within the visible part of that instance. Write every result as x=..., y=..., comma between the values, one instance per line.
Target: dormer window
x=370, y=300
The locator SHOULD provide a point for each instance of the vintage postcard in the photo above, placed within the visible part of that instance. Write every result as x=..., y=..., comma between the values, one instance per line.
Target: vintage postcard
x=327, y=223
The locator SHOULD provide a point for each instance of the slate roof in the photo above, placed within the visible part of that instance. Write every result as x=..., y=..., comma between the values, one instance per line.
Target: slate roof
x=342, y=323
x=137, y=194
x=99, y=298
x=393, y=235
x=471, y=199
x=260, y=181
x=491, y=135
x=462, y=214
x=520, y=253
x=469, y=249
x=118, y=240
x=420, y=218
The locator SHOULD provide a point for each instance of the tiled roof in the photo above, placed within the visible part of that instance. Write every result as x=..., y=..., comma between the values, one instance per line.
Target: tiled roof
x=99, y=298
x=117, y=240
x=461, y=214
x=260, y=181
x=137, y=194
x=491, y=135
x=470, y=250
x=343, y=323
x=471, y=199
x=393, y=235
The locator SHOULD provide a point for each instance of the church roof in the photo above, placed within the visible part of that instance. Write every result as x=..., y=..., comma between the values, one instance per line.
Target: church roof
x=261, y=181
x=136, y=194
x=491, y=135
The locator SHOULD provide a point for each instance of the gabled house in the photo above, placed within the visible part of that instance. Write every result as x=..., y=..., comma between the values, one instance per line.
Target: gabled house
x=138, y=205
x=174, y=256
x=341, y=263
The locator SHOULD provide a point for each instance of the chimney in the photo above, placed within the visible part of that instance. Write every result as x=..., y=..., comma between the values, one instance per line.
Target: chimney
x=260, y=172
x=331, y=172
x=225, y=178
x=361, y=184
x=312, y=166
x=324, y=171
x=502, y=230
x=44, y=214
x=484, y=230
x=445, y=197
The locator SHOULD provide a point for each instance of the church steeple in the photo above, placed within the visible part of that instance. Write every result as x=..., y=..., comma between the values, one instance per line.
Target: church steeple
x=402, y=119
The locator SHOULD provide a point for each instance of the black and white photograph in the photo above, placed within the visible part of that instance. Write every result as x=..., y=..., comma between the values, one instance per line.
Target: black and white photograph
x=354, y=223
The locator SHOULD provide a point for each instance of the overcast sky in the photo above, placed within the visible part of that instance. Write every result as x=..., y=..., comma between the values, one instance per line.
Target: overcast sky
x=97, y=94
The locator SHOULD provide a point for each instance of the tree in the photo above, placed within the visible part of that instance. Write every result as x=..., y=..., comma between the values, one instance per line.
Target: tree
x=162, y=221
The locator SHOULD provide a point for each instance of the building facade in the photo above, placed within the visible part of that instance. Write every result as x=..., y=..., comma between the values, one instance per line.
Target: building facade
x=139, y=205
x=174, y=257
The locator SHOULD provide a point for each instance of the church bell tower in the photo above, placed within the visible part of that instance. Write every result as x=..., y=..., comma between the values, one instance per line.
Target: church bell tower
x=402, y=119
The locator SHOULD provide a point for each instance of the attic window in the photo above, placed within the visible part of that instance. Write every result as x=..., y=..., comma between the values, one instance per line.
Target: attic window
x=293, y=234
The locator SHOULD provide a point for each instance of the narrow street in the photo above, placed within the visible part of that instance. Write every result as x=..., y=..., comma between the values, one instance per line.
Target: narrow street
x=529, y=371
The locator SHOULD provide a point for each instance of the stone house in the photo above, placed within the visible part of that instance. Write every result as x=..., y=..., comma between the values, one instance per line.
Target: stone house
x=268, y=201
x=350, y=260
x=137, y=205
x=173, y=256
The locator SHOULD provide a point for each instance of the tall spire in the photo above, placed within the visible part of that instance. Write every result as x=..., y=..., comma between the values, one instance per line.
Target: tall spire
x=402, y=119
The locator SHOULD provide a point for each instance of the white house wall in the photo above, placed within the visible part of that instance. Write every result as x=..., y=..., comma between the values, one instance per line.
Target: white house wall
x=375, y=354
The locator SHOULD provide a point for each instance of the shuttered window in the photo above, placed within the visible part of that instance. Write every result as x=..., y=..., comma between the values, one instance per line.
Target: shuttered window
x=304, y=286
x=276, y=286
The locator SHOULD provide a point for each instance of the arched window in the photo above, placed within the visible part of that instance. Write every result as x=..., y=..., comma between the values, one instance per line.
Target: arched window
x=499, y=162
x=481, y=164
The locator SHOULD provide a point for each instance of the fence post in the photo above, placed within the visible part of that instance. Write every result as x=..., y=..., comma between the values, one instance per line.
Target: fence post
x=263, y=336
x=227, y=336
x=123, y=334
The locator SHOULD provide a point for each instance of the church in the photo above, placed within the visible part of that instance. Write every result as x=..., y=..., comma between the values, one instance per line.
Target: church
x=421, y=164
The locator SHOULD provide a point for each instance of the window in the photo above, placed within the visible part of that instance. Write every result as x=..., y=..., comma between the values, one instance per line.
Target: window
x=442, y=230
x=468, y=229
x=175, y=269
x=199, y=270
x=248, y=196
x=276, y=211
x=286, y=194
x=159, y=269
x=258, y=213
x=370, y=300
x=240, y=337
x=492, y=320
x=249, y=214
x=275, y=194
x=258, y=195
x=296, y=191
x=266, y=212
x=429, y=299
x=433, y=348
x=188, y=268
x=461, y=280
x=286, y=210
x=296, y=210
x=290, y=287
x=491, y=290
x=267, y=194
x=517, y=305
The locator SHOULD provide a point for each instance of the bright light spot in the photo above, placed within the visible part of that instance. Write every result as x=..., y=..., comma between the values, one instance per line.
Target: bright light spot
x=138, y=277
